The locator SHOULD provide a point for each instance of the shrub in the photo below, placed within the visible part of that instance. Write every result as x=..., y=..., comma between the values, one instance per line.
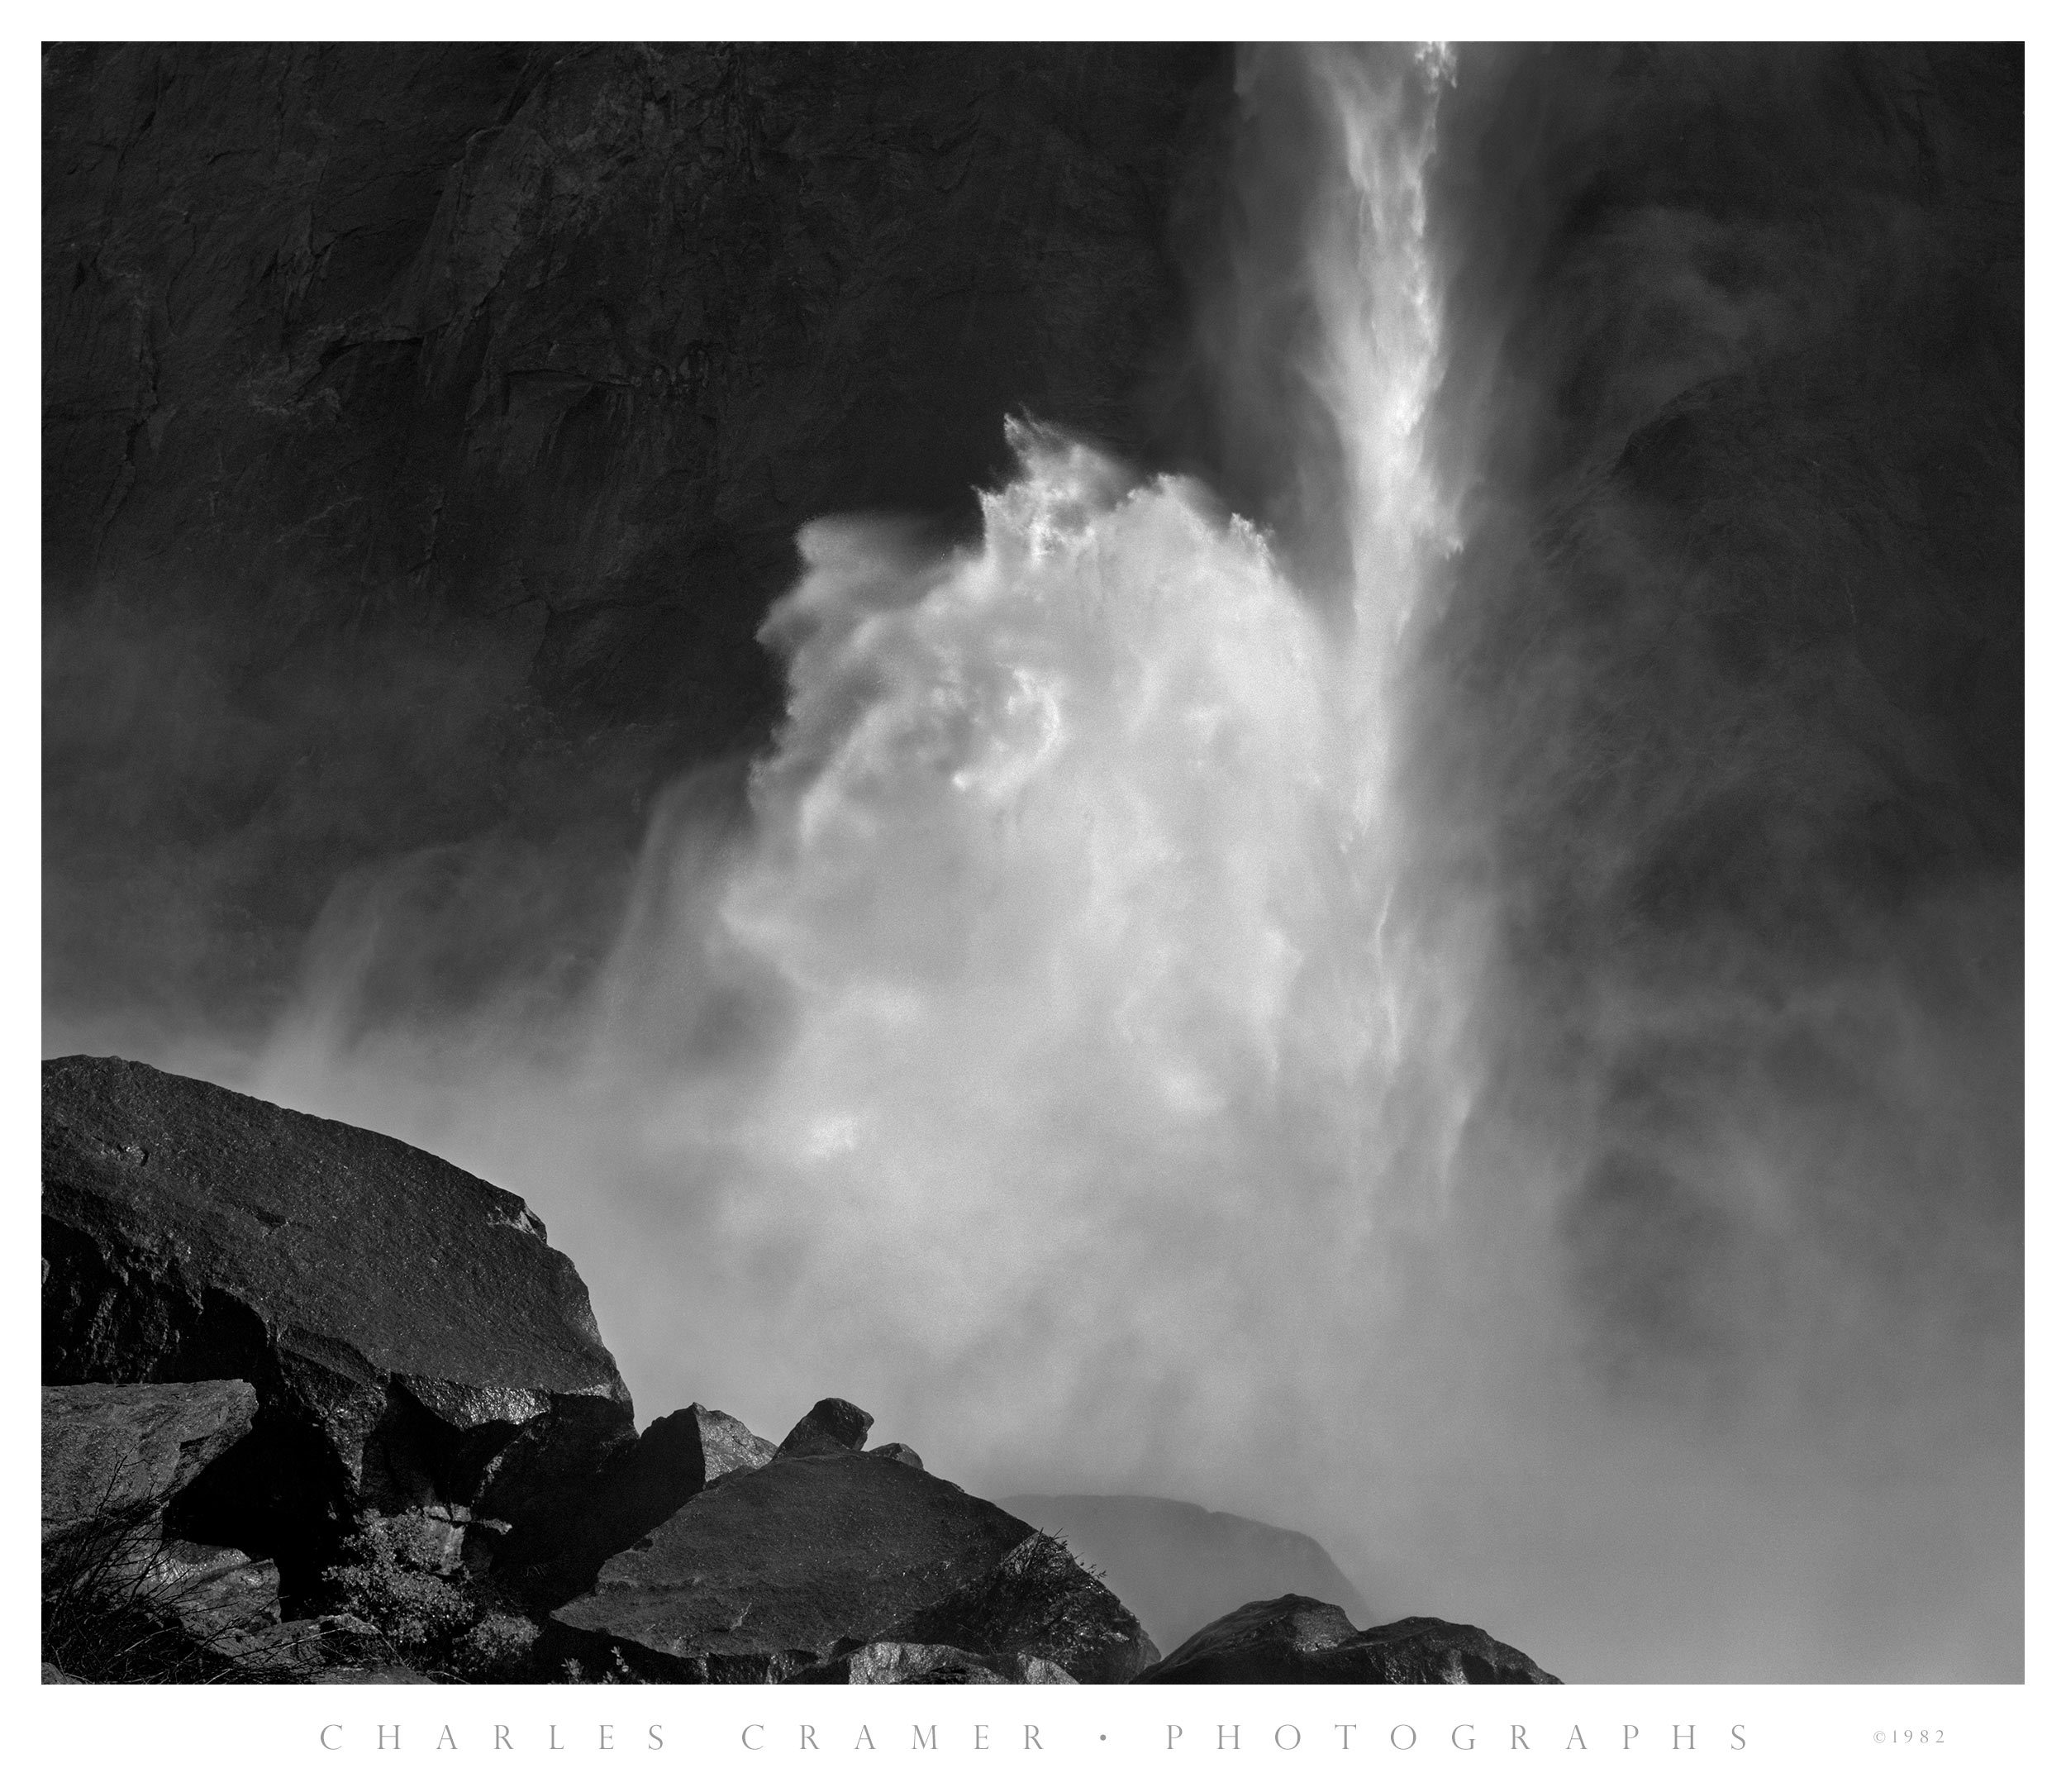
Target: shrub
x=498, y=1647
x=449, y=1626
x=387, y=1578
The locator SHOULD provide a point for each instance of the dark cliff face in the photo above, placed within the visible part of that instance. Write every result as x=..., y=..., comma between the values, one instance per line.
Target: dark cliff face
x=426, y=428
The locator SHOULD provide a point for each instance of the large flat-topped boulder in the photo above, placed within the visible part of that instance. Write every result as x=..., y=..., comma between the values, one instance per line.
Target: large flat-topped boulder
x=1180, y=1565
x=1294, y=1640
x=110, y=1452
x=413, y=1337
x=764, y=1574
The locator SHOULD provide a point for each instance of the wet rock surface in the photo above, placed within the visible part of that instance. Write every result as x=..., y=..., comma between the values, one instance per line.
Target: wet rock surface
x=767, y=1573
x=1295, y=1641
x=412, y=1339
x=1179, y=1565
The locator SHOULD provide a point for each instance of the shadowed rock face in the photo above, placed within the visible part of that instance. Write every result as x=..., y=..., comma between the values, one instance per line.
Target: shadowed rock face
x=555, y=1552
x=1179, y=1565
x=1297, y=1641
x=768, y=1572
x=412, y=1338
x=107, y=1449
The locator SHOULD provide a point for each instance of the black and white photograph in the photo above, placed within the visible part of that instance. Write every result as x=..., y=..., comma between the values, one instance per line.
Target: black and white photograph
x=933, y=863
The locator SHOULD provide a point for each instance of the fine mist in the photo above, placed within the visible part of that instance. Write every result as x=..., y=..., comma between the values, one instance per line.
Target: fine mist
x=1408, y=1018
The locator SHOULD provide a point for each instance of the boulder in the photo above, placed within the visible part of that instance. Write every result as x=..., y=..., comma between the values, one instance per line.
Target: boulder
x=1039, y=1600
x=929, y=1664
x=1295, y=1640
x=1179, y=1565
x=1263, y=1636
x=412, y=1338
x=729, y=1446
x=899, y=1453
x=114, y=1449
x=1424, y=1651
x=764, y=1574
x=212, y=1590
x=830, y=1425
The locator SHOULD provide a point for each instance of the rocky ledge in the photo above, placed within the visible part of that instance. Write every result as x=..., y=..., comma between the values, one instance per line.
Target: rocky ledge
x=320, y=1406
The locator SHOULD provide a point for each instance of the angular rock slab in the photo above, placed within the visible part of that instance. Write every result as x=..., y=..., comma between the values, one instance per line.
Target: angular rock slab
x=729, y=1446
x=110, y=1448
x=764, y=1575
x=929, y=1664
x=212, y=1591
x=1040, y=1601
x=1294, y=1640
x=413, y=1337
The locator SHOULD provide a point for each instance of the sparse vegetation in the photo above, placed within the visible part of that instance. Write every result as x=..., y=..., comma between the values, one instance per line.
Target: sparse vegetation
x=618, y=1674
x=107, y=1616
